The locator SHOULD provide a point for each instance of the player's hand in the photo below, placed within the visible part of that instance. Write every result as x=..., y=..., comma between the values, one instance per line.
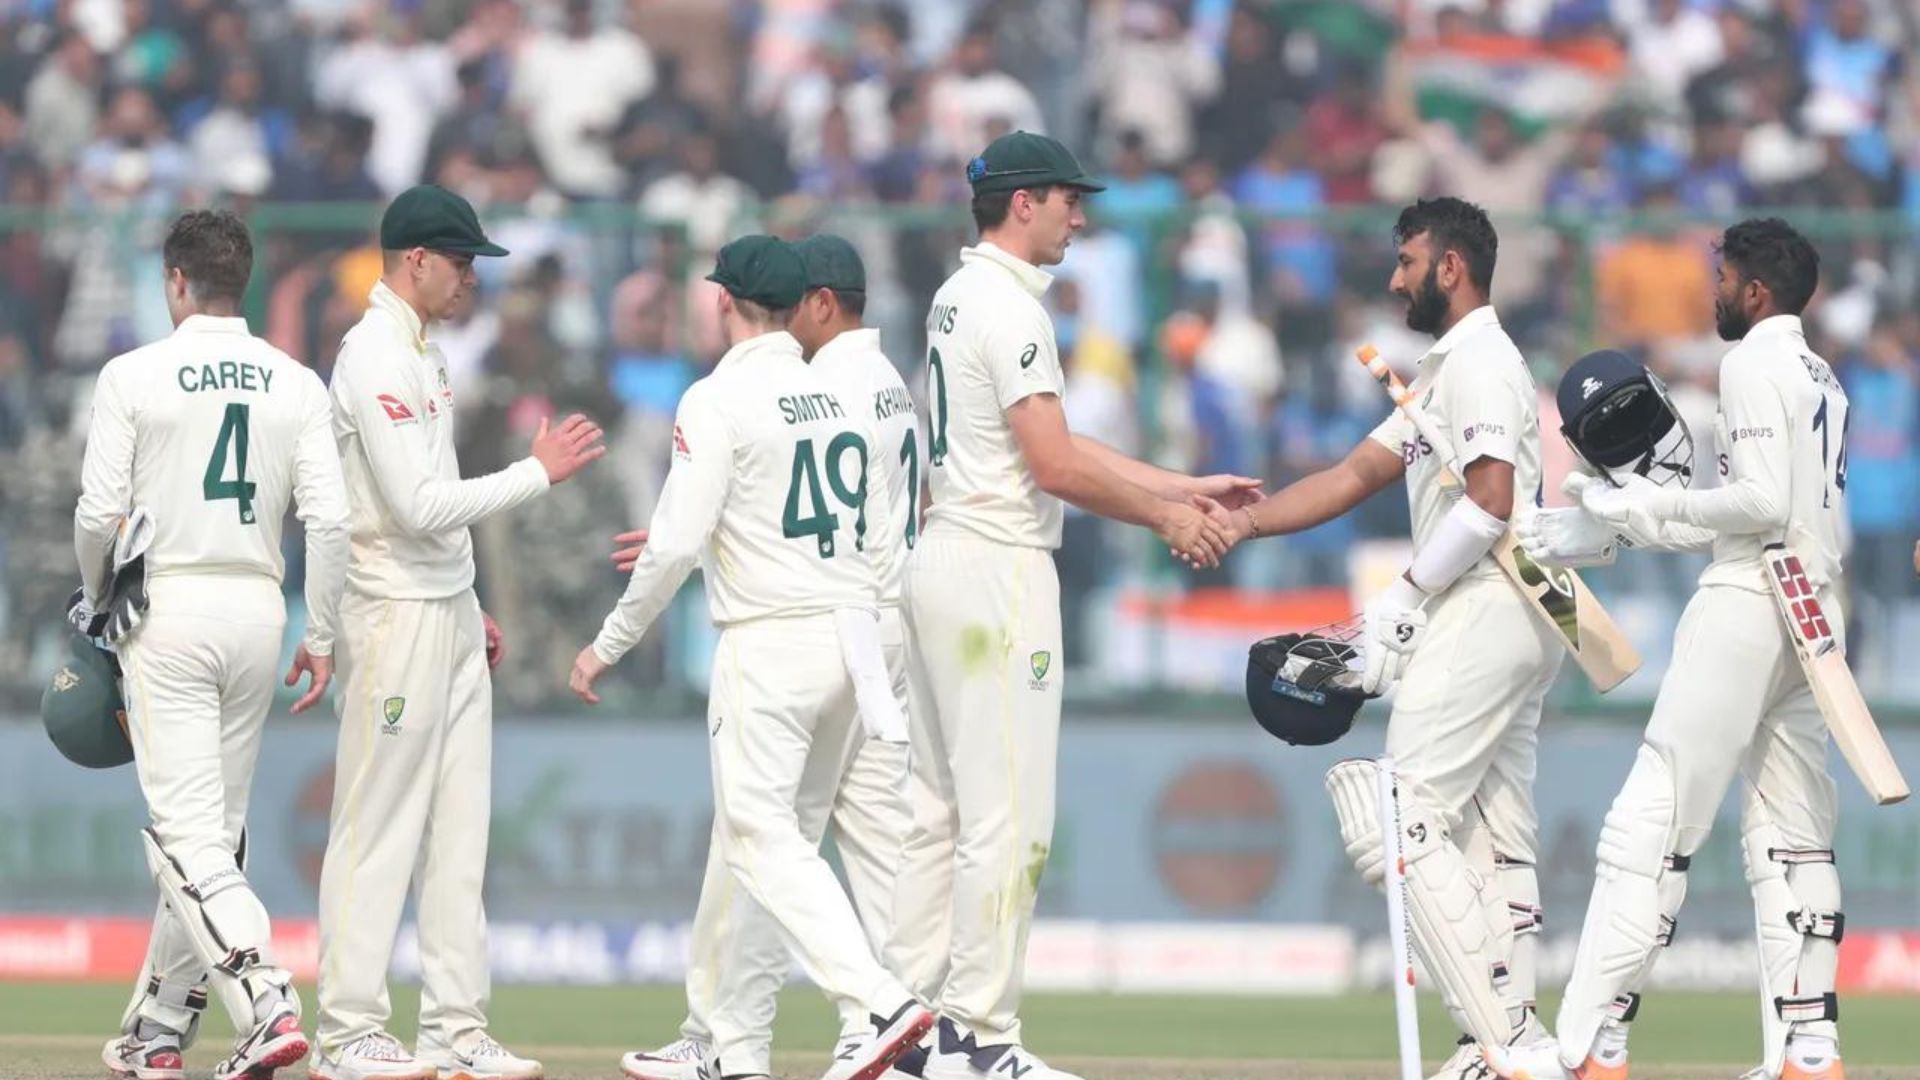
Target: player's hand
x=567, y=449
x=1568, y=536
x=1191, y=535
x=1232, y=492
x=319, y=668
x=1394, y=626
x=1634, y=508
x=586, y=668
x=632, y=543
x=496, y=641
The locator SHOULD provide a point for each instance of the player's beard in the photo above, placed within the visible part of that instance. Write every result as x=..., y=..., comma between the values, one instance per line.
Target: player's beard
x=1729, y=321
x=1427, y=305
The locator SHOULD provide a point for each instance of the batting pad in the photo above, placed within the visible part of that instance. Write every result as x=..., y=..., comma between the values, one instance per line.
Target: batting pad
x=1638, y=887
x=1445, y=901
x=224, y=921
x=1797, y=918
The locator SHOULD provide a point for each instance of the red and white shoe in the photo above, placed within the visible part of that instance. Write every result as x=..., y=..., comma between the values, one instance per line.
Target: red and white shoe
x=129, y=1057
x=869, y=1056
x=274, y=1043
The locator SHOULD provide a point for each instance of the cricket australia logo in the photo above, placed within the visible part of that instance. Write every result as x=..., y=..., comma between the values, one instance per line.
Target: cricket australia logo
x=390, y=710
x=64, y=680
x=1040, y=663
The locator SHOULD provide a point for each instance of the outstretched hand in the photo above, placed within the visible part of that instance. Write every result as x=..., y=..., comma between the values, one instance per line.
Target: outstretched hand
x=1192, y=534
x=627, y=551
x=1230, y=491
x=566, y=449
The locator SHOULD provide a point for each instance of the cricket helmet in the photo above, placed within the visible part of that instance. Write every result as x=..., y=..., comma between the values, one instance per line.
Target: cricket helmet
x=1616, y=416
x=1304, y=689
x=83, y=711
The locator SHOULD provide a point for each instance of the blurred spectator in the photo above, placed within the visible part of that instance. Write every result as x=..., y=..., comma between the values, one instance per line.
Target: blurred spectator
x=1656, y=283
x=645, y=136
x=1099, y=404
x=62, y=102
x=239, y=127
x=1298, y=260
x=1254, y=81
x=1105, y=267
x=1776, y=155
x=1850, y=73
x=709, y=204
x=1147, y=73
x=834, y=175
x=1672, y=45
x=328, y=163
x=966, y=100
x=1213, y=247
x=1344, y=128
x=895, y=174
x=836, y=85
x=134, y=161
x=1591, y=184
x=1713, y=186
x=1136, y=191
x=575, y=86
x=1883, y=457
x=1724, y=92
x=389, y=74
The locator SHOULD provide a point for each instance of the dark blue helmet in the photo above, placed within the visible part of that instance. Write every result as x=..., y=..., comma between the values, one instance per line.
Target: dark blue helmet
x=1304, y=689
x=1617, y=417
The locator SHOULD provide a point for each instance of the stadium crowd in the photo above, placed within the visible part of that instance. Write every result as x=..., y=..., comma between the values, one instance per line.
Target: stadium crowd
x=1254, y=153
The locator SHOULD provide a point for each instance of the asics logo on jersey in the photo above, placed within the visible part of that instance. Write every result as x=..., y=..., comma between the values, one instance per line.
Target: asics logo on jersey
x=1027, y=355
x=1589, y=387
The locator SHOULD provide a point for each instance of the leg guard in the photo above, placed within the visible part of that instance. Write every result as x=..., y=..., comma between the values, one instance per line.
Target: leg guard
x=1520, y=885
x=1796, y=910
x=1637, y=891
x=226, y=925
x=1445, y=901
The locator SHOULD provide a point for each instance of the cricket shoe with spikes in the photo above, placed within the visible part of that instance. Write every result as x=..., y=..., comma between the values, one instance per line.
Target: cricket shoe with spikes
x=275, y=1042
x=130, y=1057
x=1465, y=1064
x=869, y=1055
x=374, y=1056
x=479, y=1057
x=1540, y=1060
x=678, y=1060
x=1830, y=1069
x=958, y=1057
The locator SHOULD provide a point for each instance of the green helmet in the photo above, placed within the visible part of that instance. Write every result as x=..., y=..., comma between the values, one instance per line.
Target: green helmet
x=83, y=710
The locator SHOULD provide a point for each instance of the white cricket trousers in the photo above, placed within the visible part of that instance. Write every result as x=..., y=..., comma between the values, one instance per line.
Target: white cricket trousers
x=738, y=960
x=412, y=791
x=983, y=624
x=783, y=733
x=199, y=676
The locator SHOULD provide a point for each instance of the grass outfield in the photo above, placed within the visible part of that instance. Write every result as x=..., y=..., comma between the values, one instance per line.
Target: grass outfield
x=53, y=1031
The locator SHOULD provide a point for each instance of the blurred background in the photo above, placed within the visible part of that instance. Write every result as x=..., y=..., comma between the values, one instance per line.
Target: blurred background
x=1255, y=154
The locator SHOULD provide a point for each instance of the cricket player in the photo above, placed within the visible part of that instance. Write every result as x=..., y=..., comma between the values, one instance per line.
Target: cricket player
x=768, y=493
x=1472, y=660
x=413, y=775
x=1734, y=699
x=983, y=604
x=740, y=976
x=202, y=438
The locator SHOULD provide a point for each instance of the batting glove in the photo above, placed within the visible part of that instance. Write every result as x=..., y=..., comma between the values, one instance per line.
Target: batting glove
x=1394, y=626
x=1569, y=537
x=1634, y=509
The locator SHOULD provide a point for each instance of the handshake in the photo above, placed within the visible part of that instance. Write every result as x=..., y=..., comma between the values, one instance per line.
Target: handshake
x=1213, y=518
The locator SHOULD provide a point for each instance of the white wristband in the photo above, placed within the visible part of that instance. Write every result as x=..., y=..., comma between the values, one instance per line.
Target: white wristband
x=1462, y=537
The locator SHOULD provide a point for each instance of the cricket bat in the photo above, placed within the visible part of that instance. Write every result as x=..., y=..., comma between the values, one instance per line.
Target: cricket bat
x=1555, y=594
x=1834, y=690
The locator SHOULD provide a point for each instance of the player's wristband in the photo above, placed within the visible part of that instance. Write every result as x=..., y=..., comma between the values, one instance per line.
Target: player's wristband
x=1461, y=538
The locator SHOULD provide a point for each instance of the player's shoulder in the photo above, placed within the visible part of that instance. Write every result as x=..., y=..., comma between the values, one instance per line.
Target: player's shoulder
x=1489, y=352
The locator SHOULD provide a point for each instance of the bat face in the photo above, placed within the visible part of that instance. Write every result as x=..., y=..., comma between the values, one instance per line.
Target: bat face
x=1807, y=620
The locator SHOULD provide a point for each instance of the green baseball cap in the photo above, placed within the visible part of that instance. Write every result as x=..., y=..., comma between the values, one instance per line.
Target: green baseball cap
x=83, y=711
x=1021, y=159
x=763, y=269
x=429, y=216
x=832, y=263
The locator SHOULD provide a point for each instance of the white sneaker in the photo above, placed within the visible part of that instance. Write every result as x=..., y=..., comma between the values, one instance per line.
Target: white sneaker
x=274, y=1043
x=1538, y=1059
x=1465, y=1064
x=957, y=1057
x=130, y=1057
x=678, y=1060
x=482, y=1059
x=866, y=1055
x=378, y=1056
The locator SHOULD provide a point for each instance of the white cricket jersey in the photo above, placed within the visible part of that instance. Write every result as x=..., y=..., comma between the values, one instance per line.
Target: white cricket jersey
x=1474, y=385
x=213, y=431
x=765, y=494
x=1782, y=431
x=393, y=418
x=893, y=502
x=989, y=345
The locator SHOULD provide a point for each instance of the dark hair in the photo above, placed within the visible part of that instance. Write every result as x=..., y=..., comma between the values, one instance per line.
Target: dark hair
x=1453, y=225
x=212, y=249
x=851, y=301
x=990, y=209
x=1773, y=253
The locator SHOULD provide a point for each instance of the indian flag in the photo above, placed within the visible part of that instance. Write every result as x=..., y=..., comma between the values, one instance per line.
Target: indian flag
x=1538, y=83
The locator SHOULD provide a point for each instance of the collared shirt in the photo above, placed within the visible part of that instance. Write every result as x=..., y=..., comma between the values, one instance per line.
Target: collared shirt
x=393, y=419
x=213, y=431
x=895, y=468
x=990, y=345
x=1782, y=431
x=765, y=494
x=1475, y=387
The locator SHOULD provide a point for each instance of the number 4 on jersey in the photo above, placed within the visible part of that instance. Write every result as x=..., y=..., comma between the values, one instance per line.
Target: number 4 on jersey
x=820, y=521
x=232, y=441
x=1840, y=463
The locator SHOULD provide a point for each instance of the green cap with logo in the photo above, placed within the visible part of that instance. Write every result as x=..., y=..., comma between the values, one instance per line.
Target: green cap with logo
x=82, y=709
x=1021, y=159
x=429, y=216
x=763, y=269
x=832, y=263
